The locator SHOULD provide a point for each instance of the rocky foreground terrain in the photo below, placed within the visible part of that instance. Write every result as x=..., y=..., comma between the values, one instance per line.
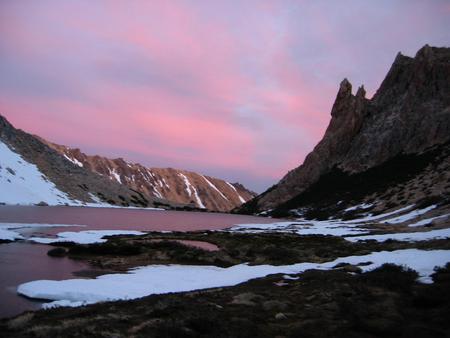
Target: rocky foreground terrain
x=387, y=151
x=349, y=298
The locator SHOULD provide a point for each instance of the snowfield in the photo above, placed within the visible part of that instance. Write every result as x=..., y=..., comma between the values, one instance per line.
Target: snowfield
x=22, y=183
x=160, y=279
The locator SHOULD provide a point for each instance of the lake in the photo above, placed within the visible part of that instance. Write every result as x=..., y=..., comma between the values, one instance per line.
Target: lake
x=23, y=261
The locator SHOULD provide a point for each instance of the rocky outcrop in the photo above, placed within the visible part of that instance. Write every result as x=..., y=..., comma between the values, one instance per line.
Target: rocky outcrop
x=409, y=113
x=175, y=185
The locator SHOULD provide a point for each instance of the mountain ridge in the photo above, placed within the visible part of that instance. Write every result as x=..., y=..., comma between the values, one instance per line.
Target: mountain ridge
x=82, y=178
x=409, y=113
x=177, y=185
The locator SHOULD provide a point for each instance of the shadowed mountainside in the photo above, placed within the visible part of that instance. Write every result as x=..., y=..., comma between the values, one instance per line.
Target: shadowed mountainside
x=407, y=121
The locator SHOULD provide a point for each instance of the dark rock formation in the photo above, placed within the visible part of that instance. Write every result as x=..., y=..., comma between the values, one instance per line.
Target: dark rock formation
x=409, y=113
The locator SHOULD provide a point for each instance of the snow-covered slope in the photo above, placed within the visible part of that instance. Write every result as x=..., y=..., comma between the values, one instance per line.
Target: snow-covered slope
x=22, y=183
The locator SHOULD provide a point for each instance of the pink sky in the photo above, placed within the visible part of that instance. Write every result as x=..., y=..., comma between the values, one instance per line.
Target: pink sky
x=240, y=90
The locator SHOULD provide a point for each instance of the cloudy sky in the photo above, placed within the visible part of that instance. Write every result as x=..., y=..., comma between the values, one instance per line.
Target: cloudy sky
x=240, y=90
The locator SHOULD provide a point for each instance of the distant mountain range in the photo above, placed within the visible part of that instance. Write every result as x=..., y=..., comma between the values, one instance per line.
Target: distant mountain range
x=378, y=153
x=33, y=170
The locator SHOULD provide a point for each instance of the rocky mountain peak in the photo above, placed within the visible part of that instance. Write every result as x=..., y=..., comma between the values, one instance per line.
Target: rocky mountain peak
x=361, y=93
x=409, y=113
x=345, y=88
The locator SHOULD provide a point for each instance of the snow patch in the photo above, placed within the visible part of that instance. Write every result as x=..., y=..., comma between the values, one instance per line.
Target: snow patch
x=303, y=227
x=116, y=175
x=22, y=183
x=409, y=216
x=427, y=221
x=7, y=229
x=371, y=217
x=157, y=193
x=190, y=189
x=73, y=160
x=359, y=206
x=187, y=184
x=84, y=237
x=405, y=236
x=165, y=183
x=234, y=188
x=161, y=279
x=214, y=187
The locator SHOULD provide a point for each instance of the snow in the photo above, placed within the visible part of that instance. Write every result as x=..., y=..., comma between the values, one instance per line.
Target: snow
x=84, y=237
x=234, y=188
x=409, y=216
x=303, y=227
x=186, y=183
x=197, y=198
x=21, y=182
x=116, y=176
x=7, y=229
x=99, y=204
x=9, y=235
x=167, y=186
x=189, y=186
x=214, y=187
x=97, y=201
x=157, y=193
x=427, y=221
x=405, y=236
x=371, y=217
x=73, y=160
x=160, y=279
x=359, y=206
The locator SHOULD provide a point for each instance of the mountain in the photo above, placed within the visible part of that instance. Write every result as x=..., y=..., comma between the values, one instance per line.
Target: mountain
x=390, y=150
x=33, y=170
x=174, y=185
x=32, y=173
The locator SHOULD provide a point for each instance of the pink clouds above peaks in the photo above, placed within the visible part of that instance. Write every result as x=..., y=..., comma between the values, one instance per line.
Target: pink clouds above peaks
x=238, y=90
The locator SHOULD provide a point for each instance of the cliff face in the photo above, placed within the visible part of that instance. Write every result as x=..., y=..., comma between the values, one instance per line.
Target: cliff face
x=175, y=185
x=409, y=113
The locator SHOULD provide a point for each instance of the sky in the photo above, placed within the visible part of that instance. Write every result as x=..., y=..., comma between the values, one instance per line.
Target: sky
x=240, y=90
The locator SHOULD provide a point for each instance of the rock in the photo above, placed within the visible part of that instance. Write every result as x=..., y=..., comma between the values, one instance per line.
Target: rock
x=42, y=204
x=57, y=252
x=348, y=268
x=274, y=305
x=246, y=298
x=409, y=113
x=280, y=316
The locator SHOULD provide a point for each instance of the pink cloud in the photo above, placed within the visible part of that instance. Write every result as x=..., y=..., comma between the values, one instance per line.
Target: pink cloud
x=238, y=89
